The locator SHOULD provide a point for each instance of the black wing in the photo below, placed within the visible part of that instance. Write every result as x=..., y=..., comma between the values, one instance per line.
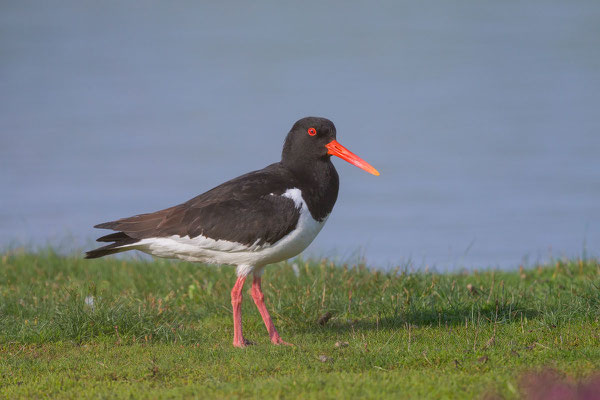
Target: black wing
x=248, y=210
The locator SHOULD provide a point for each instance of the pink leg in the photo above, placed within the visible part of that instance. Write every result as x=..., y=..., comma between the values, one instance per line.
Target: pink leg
x=236, y=302
x=259, y=300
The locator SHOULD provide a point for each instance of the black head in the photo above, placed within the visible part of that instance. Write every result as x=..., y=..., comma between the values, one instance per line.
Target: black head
x=312, y=140
x=307, y=140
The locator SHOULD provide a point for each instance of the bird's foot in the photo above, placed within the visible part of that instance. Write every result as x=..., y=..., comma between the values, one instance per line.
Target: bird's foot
x=243, y=343
x=277, y=340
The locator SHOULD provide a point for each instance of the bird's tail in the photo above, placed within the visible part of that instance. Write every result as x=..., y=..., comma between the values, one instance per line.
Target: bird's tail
x=121, y=242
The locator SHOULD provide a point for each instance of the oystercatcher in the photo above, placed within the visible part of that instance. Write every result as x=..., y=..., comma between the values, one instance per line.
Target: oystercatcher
x=259, y=218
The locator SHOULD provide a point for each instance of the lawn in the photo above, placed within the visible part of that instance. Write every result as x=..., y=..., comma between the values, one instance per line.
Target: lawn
x=114, y=328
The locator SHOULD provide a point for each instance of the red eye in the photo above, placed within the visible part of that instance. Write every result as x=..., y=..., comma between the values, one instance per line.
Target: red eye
x=312, y=131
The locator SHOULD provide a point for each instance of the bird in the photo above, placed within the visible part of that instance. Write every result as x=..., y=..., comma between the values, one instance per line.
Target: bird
x=259, y=218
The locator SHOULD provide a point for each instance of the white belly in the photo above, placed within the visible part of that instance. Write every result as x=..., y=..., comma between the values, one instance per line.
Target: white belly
x=207, y=250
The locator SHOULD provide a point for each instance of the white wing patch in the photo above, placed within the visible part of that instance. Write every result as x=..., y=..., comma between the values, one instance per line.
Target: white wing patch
x=296, y=196
x=207, y=250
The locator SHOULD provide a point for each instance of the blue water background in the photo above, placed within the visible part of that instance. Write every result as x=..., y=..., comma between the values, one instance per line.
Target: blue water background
x=483, y=118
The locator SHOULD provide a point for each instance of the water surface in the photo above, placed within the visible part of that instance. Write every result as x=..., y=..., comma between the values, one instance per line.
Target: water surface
x=482, y=118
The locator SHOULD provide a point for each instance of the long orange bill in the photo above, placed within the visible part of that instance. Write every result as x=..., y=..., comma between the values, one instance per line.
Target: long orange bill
x=336, y=149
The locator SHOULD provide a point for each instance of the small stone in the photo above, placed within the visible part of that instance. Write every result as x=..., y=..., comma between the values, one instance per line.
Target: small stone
x=324, y=318
x=89, y=301
x=324, y=358
x=341, y=344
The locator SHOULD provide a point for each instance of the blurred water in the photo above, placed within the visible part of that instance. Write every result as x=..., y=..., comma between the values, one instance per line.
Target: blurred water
x=483, y=118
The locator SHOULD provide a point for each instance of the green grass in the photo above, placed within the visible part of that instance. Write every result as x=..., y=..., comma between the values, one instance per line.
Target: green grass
x=163, y=330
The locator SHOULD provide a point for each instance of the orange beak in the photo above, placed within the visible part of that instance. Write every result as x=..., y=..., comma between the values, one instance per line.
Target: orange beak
x=336, y=149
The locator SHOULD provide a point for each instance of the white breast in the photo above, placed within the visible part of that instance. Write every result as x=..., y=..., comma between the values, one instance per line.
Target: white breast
x=207, y=250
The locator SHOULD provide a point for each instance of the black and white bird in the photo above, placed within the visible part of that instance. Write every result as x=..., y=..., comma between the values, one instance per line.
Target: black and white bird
x=257, y=219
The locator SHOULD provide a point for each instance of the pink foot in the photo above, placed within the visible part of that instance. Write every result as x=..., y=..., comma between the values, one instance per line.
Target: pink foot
x=278, y=341
x=236, y=303
x=259, y=300
x=242, y=343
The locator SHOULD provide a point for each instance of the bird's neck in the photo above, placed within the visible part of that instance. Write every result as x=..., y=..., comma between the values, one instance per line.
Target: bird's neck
x=319, y=182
